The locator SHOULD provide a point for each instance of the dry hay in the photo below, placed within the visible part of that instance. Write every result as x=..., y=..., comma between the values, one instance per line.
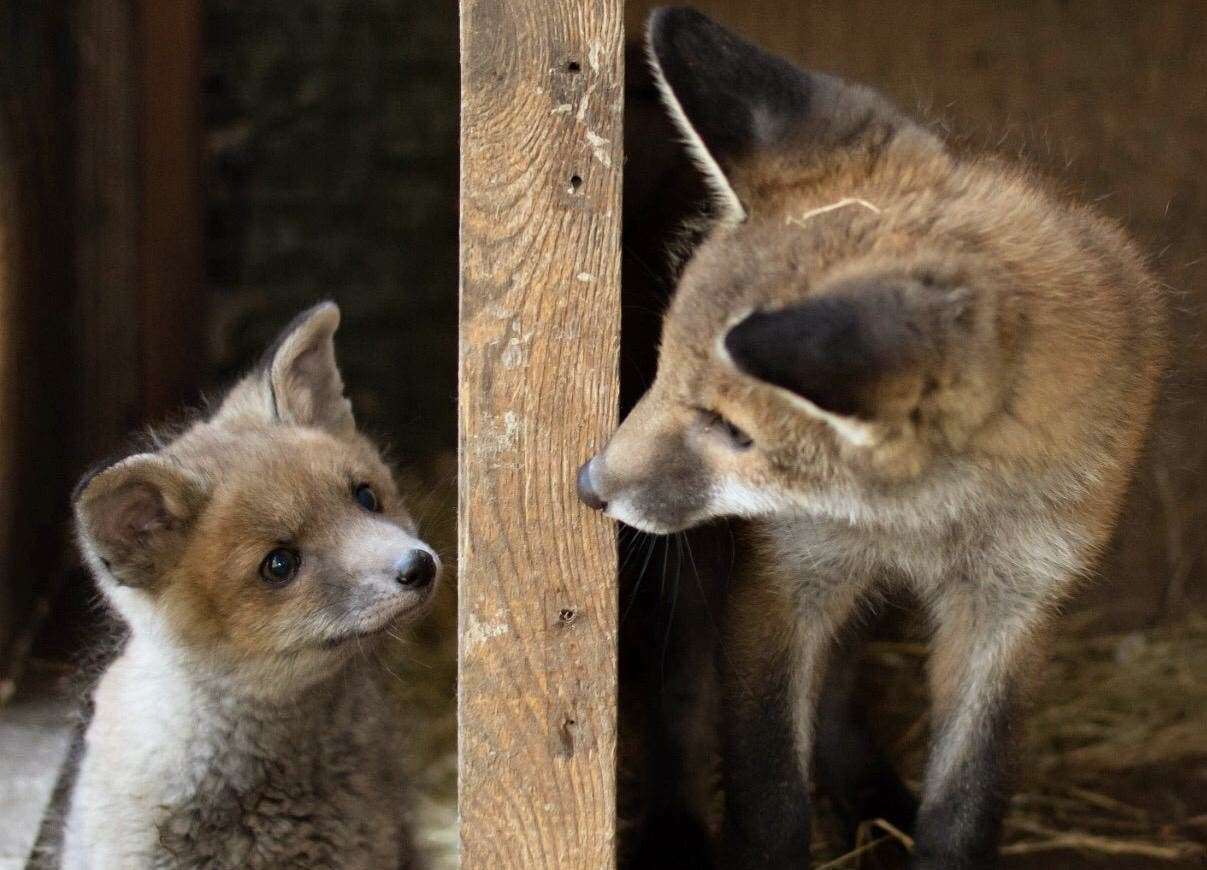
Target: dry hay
x=1116, y=758
x=1114, y=762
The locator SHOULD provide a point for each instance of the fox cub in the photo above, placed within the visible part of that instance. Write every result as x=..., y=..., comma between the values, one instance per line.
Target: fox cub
x=910, y=369
x=254, y=557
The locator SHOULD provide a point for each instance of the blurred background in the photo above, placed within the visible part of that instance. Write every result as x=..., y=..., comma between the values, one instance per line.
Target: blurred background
x=178, y=178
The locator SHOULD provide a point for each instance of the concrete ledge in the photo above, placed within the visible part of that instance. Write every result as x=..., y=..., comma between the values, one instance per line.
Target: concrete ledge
x=36, y=731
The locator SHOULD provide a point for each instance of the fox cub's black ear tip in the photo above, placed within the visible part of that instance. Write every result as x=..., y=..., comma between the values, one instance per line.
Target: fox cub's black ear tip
x=663, y=21
x=732, y=94
x=687, y=43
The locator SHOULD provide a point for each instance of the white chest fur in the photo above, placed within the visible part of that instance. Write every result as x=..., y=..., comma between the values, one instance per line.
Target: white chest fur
x=173, y=775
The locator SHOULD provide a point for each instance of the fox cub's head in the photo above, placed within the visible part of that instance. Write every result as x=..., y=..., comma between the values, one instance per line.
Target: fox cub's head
x=270, y=536
x=863, y=303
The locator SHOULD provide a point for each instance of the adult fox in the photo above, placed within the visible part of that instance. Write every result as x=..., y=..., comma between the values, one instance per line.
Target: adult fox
x=909, y=368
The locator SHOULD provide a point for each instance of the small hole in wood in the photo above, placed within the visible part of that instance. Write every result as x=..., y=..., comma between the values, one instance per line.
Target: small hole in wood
x=567, y=615
x=576, y=181
x=573, y=66
x=566, y=732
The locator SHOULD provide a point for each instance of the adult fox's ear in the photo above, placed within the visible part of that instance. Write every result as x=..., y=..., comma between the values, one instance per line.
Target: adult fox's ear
x=133, y=517
x=302, y=376
x=730, y=98
x=854, y=360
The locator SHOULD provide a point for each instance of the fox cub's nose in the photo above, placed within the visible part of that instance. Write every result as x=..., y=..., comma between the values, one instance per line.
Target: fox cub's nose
x=416, y=569
x=586, y=489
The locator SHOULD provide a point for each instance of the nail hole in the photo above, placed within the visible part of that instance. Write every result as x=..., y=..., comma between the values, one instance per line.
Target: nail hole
x=573, y=66
x=566, y=732
x=576, y=182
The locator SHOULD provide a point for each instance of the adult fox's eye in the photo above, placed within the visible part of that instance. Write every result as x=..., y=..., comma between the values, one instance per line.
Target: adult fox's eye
x=738, y=436
x=367, y=498
x=738, y=439
x=280, y=566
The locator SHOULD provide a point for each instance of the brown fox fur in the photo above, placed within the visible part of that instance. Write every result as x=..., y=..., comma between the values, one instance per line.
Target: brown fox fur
x=908, y=368
x=255, y=557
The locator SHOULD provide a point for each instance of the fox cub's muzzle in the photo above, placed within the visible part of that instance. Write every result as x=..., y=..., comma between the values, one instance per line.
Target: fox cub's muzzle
x=416, y=570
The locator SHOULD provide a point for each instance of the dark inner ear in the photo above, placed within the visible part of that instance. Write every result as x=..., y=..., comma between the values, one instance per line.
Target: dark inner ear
x=131, y=516
x=134, y=516
x=738, y=97
x=835, y=351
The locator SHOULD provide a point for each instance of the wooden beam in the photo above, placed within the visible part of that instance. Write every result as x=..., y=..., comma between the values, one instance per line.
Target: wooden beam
x=169, y=128
x=100, y=261
x=541, y=117
x=107, y=318
x=37, y=282
x=11, y=598
x=139, y=306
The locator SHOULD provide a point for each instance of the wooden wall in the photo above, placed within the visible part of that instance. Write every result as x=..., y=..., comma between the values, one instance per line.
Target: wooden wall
x=9, y=312
x=100, y=225
x=541, y=157
x=1109, y=96
x=36, y=283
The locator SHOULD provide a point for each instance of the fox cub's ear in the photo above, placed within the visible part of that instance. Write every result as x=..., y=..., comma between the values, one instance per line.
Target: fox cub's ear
x=302, y=375
x=730, y=98
x=853, y=359
x=133, y=517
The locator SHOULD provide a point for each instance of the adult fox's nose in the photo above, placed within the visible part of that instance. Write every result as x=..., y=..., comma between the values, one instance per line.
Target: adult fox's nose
x=416, y=570
x=586, y=489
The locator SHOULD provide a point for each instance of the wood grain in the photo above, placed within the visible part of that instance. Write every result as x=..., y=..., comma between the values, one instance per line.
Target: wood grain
x=541, y=123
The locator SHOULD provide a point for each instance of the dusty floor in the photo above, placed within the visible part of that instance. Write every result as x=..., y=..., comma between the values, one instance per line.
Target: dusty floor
x=36, y=728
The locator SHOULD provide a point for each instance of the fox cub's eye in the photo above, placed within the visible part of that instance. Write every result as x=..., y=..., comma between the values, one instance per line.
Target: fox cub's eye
x=737, y=438
x=367, y=498
x=279, y=566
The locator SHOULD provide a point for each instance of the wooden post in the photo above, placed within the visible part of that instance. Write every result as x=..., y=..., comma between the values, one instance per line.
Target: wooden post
x=541, y=115
x=100, y=263
x=10, y=597
x=139, y=203
x=169, y=128
x=37, y=282
x=107, y=322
